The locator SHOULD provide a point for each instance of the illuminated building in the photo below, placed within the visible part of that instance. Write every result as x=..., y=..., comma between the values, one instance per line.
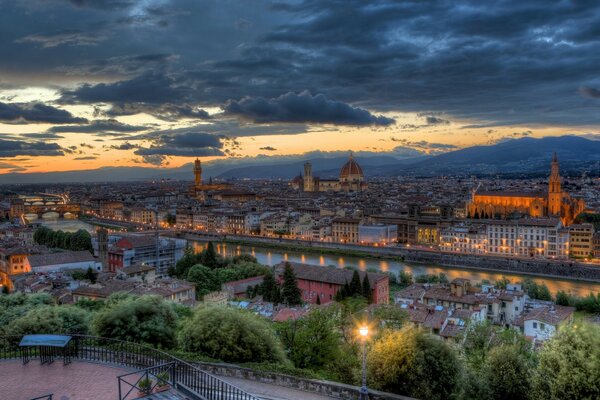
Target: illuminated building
x=351, y=179
x=554, y=203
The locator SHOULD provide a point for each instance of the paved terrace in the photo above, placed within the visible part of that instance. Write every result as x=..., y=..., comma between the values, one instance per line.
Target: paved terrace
x=75, y=381
x=93, y=381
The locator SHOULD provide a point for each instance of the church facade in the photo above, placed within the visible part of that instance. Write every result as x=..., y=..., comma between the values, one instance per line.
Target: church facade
x=553, y=203
x=351, y=179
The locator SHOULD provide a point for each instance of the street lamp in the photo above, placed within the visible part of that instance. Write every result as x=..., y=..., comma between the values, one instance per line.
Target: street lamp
x=364, y=333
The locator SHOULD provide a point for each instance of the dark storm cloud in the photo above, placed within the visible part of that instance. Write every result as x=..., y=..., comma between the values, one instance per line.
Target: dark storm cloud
x=124, y=146
x=17, y=113
x=589, y=92
x=303, y=108
x=85, y=158
x=189, y=144
x=14, y=148
x=165, y=112
x=99, y=127
x=43, y=135
x=268, y=148
x=436, y=121
x=498, y=63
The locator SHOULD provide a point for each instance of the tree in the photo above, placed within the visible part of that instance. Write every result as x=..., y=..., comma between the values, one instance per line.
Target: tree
x=405, y=279
x=413, y=363
x=290, y=292
x=355, y=285
x=318, y=300
x=390, y=315
x=312, y=341
x=210, y=256
x=502, y=283
x=51, y=319
x=536, y=291
x=231, y=335
x=508, y=372
x=146, y=319
x=366, y=289
x=204, y=278
x=569, y=366
x=269, y=288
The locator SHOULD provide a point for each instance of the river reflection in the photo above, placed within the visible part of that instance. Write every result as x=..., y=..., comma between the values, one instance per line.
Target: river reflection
x=275, y=256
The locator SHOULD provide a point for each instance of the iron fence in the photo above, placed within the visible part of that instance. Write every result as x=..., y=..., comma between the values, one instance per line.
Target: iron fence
x=185, y=377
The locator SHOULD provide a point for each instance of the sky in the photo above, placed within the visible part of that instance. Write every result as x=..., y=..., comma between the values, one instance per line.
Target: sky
x=86, y=84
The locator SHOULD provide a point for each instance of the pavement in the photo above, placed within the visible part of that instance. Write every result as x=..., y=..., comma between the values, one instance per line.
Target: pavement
x=272, y=392
x=75, y=381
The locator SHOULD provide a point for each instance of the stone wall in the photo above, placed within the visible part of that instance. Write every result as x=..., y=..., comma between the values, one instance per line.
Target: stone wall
x=332, y=389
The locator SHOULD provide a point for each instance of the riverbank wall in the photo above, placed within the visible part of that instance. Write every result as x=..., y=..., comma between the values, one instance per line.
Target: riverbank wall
x=566, y=269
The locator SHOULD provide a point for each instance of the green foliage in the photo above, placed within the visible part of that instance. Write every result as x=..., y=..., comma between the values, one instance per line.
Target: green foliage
x=536, y=290
x=80, y=240
x=290, y=292
x=366, y=289
x=432, y=278
x=508, y=372
x=413, y=363
x=590, y=218
x=312, y=341
x=355, y=286
x=405, y=279
x=16, y=305
x=269, y=289
x=208, y=280
x=146, y=319
x=502, y=283
x=569, y=366
x=50, y=319
x=589, y=303
x=231, y=335
x=389, y=316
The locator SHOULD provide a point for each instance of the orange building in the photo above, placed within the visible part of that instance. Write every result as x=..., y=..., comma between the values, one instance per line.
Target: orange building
x=554, y=203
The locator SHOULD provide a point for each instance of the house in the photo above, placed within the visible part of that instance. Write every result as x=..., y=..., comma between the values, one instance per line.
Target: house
x=138, y=272
x=324, y=282
x=216, y=298
x=540, y=324
x=237, y=289
x=63, y=260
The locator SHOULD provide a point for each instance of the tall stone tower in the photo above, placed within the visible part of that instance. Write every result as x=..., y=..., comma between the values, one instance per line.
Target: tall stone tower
x=309, y=183
x=102, y=236
x=554, y=190
x=197, y=174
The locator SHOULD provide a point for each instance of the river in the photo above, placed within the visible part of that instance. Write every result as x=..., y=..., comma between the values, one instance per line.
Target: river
x=274, y=256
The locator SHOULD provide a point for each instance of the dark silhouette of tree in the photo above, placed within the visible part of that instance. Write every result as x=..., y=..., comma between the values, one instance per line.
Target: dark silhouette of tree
x=290, y=292
x=366, y=289
x=355, y=285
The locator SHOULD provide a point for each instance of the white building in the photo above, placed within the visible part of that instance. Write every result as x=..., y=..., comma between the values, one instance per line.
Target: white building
x=377, y=233
x=543, y=322
x=468, y=239
x=63, y=260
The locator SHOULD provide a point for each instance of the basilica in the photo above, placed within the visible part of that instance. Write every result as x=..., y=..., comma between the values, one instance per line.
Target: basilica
x=351, y=179
x=553, y=203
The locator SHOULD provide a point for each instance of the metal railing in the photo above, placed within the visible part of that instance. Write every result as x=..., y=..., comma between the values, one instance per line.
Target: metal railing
x=185, y=377
x=148, y=380
x=45, y=397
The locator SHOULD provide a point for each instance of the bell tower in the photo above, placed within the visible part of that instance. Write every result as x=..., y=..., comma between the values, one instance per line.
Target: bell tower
x=308, y=178
x=554, y=190
x=197, y=174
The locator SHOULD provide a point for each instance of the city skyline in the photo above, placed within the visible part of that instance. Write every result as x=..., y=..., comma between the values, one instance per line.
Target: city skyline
x=85, y=84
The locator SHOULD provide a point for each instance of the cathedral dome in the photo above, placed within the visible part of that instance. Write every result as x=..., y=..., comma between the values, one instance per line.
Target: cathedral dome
x=351, y=170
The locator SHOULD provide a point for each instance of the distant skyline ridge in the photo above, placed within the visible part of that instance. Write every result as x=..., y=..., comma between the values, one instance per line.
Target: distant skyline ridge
x=526, y=155
x=156, y=83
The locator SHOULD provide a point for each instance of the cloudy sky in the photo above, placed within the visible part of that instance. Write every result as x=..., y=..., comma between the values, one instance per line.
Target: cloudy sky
x=92, y=83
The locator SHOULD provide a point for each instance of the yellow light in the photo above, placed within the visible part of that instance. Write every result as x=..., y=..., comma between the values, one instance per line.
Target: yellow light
x=364, y=331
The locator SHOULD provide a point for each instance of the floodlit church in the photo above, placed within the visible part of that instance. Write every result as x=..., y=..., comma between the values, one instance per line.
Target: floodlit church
x=351, y=179
x=554, y=203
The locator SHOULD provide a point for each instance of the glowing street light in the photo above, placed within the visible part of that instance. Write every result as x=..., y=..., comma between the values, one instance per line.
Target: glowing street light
x=364, y=334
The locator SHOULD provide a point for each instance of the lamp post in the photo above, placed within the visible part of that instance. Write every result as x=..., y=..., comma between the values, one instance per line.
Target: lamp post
x=364, y=333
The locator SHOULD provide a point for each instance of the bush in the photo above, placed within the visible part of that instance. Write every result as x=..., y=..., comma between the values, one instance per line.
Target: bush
x=52, y=320
x=231, y=335
x=508, y=373
x=413, y=363
x=146, y=319
x=569, y=366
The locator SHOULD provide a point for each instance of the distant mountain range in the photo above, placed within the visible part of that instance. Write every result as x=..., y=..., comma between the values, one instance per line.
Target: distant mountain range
x=526, y=155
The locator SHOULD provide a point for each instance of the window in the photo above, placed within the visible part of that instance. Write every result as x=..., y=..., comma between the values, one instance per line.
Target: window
x=542, y=326
x=535, y=325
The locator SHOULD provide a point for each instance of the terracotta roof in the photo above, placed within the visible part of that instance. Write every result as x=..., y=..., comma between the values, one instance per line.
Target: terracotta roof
x=287, y=314
x=333, y=275
x=351, y=168
x=66, y=257
x=553, y=315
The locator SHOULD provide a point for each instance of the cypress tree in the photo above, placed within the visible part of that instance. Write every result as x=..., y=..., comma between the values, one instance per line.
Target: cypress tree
x=366, y=289
x=355, y=286
x=210, y=256
x=268, y=287
x=290, y=293
x=318, y=300
x=345, y=291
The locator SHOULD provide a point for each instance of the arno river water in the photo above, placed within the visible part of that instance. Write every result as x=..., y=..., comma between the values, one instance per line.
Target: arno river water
x=275, y=256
